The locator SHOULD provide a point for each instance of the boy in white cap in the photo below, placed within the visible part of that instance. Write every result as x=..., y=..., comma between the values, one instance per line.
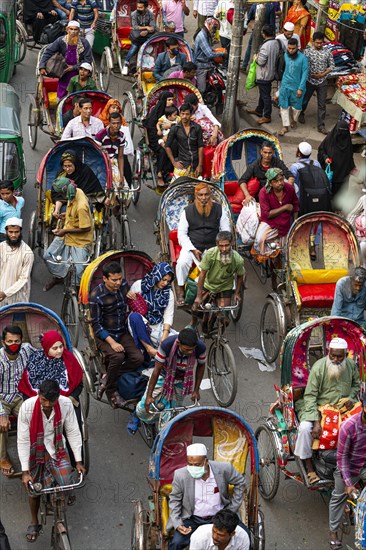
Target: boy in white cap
x=16, y=261
x=331, y=379
x=82, y=81
x=199, y=491
x=287, y=33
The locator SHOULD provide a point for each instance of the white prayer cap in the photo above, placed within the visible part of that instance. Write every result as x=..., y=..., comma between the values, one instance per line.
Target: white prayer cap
x=14, y=221
x=196, y=449
x=289, y=26
x=86, y=66
x=305, y=148
x=73, y=24
x=338, y=343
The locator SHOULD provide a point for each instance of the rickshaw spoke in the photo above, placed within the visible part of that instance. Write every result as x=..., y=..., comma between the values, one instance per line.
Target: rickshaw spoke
x=222, y=373
x=269, y=470
x=270, y=331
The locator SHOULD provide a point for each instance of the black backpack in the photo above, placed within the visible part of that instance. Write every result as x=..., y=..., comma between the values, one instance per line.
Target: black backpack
x=315, y=194
x=280, y=62
x=53, y=31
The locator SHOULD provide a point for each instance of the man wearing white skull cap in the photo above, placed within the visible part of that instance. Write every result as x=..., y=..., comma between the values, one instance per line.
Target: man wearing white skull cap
x=299, y=168
x=331, y=380
x=16, y=262
x=199, y=491
x=287, y=33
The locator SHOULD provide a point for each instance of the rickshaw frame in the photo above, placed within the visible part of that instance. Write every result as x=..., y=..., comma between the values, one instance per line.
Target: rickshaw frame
x=13, y=45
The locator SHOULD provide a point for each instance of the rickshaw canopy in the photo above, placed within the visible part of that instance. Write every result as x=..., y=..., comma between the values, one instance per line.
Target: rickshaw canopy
x=179, y=87
x=10, y=124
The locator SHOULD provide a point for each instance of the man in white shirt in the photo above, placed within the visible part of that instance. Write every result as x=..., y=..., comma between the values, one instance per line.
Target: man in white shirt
x=199, y=491
x=41, y=446
x=223, y=534
x=198, y=226
x=203, y=9
x=84, y=125
x=288, y=32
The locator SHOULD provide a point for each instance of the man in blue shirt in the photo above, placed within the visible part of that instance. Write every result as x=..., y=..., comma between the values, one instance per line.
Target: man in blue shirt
x=108, y=317
x=10, y=206
x=203, y=52
x=350, y=296
x=172, y=57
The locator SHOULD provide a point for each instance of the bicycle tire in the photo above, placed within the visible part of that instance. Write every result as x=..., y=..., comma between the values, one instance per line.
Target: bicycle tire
x=33, y=121
x=114, y=234
x=269, y=470
x=148, y=432
x=126, y=235
x=70, y=317
x=21, y=35
x=228, y=367
x=62, y=541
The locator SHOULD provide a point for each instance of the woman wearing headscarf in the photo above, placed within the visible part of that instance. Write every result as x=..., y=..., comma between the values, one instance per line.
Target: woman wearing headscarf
x=39, y=13
x=336, y=150
x=163, y=165
x=112, y=106
x=80, y=174
x=299, y=15
x=151, y=328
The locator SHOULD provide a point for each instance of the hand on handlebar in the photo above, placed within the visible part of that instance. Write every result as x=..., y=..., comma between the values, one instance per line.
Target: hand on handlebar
x=195, y=396
x=237, y=298
x=43, y=72
x=80, y=468
x=26, y=478
x=349, y=490
x=148, y=401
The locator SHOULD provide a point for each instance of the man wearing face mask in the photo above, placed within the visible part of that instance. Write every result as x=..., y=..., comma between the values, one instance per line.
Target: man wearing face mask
x=172, y=59
x=14, y=357
x=199, y=491
x=351, y=467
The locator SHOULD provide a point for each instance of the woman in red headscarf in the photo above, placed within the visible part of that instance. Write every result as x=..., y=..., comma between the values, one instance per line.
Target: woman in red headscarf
x=53, y=362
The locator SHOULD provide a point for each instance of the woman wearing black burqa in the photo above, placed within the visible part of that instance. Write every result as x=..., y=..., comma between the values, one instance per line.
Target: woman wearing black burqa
x=163, y=164
x=336, y=150
x=39, y=13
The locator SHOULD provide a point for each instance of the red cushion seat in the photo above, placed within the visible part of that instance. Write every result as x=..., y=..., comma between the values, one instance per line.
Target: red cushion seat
x=174, y=246
x=235, y=195
x=48, y=85
x=317, y=296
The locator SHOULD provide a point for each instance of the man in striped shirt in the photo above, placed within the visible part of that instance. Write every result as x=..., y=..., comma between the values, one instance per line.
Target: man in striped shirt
x=86, y=12
x=14, y=356
x=351, y=467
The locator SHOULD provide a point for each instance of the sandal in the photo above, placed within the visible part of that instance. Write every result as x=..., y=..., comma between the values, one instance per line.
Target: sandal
x=33, y=532
x=102, y=387
x=133, y=424
x=313, y=478
x=6, y=467
x=283, y=132
x=337, y=544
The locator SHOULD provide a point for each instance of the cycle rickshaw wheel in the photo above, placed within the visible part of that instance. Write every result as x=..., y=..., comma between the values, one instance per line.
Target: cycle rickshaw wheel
x=126, y=235
x=222, y=373
x=136, y=178
x=138, y=529
x=148, y=432
x=129, y=111
x=70, y=317
x=60, y=538
x=21, y=39
x=259, y=533
x=272, y=327
x=32, y=233
x=104, y=72
x=269, y=470
x=236, y=314
x=33, y=120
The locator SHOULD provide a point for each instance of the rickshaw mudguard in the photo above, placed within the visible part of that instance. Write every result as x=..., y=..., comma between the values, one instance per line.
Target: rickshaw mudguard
x=295, y=348
x=22, y=308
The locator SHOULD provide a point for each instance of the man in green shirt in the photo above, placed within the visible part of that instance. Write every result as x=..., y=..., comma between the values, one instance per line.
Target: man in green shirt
x=82, y=81
x=221, y=267
x=331, y=379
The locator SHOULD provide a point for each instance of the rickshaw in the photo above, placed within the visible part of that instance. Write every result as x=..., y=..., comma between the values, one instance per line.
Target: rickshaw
x=12, y=160
x=231, y=440
x=34, y=319
x=103, y=30
x=114, y=53
x=308, y=286
x=41, y=219
x=13, y=42
x=230, y=160
x=276, y=437
x=135, y=110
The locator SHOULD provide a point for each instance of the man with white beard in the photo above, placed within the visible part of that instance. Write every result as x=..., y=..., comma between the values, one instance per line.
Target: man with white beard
x=331, y=379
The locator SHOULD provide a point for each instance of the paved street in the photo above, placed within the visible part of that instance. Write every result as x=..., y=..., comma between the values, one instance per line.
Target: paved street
x=101, y=517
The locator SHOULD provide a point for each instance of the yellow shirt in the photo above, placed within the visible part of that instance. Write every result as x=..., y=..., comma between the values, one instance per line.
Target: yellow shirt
x=78, y=215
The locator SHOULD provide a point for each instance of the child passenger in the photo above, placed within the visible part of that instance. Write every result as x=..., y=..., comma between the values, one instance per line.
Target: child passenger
x=165, y=123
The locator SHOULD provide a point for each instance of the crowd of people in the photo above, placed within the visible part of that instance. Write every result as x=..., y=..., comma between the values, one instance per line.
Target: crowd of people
x=133, y=325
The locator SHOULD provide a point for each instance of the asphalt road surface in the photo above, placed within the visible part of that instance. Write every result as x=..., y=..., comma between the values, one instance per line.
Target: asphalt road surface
x=101, y=517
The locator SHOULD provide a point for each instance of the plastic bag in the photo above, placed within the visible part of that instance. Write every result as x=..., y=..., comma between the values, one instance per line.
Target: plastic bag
x=247, y=223
x=329, y=173
x=250, y=81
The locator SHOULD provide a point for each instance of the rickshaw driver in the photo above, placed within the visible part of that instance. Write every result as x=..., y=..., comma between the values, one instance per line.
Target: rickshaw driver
x=199, y=491
x=114, y=142
x=350, y=296
x=198, y=226
x=223, y=534
x=331, y=379
x=203, y=52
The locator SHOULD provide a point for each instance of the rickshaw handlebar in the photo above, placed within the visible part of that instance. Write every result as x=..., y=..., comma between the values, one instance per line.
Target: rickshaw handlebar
x=160, y=410
x=214, y=307
x=36, y=488
x=58, y=260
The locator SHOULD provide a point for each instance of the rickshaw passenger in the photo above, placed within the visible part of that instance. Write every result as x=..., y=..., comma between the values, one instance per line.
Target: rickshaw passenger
x=82, y=81
x=74, y=241
x=350, y=296
x=41, y=446
x=112, y=106
x=189, y=139
x=203, y=52
x=73, y=112
x=279, y=206
x=224, y=533
x=86, y=13
x=174, y=11
x=165, y=122
x=14, y=356
x=62, y=8
x=108, y=315
x=259, y=168
x=39, y=13
x=143, y=26
x=84, y=125
x=150, y=328
x=198, y=227
x=75, y=49
x=188, y=72
x=172, y=57
x=113, y=140
x=10, y=206
x=203, y=116
x=16, y=262
x=173, y=375
x=331, y=379
x=194, y=502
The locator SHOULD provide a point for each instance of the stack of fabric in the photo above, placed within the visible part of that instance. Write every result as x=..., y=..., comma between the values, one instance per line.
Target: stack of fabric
x=344, y=61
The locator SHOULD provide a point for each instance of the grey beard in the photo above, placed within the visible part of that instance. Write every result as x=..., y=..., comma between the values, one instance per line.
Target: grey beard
x=335, y=370
x=225, y=258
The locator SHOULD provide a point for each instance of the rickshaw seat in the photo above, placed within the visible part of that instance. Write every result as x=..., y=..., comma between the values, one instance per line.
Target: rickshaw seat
x=166, y=489
x=315, y=288
x=233, y=192
x=49, y=92
x=147, y=81
x=124, y=37
x=174, y=246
